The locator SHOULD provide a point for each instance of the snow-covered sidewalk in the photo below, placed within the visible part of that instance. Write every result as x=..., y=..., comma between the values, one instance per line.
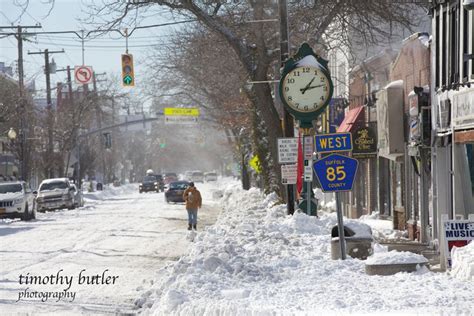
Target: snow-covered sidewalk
x=257, y=261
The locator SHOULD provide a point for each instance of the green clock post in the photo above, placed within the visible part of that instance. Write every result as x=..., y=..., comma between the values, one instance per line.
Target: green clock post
x=306, y=89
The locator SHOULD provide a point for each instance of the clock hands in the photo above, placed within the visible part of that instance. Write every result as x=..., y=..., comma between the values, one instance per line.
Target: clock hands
x=312, y=87
x=303, y=90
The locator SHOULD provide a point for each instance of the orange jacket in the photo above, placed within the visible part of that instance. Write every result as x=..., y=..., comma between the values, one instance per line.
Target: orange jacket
x=192, y=197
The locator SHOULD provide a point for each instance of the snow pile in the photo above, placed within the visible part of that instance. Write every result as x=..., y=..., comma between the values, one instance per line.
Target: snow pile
x=110, y=191
x=395, y=257
x=463, y=262
x=256, y=260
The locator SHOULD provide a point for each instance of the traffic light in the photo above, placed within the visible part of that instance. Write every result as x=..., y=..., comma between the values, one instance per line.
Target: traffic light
x=128, y=77
x=107, y=140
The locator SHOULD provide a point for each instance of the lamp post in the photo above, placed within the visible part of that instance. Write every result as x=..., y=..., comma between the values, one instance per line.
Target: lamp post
x=12, y=137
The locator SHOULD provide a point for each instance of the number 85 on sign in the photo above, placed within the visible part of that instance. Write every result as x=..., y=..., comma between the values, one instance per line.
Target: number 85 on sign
x=336, y=172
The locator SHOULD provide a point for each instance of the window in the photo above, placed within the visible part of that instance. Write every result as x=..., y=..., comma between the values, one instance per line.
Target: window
x=443, y=65
x=438, y=49
x=454, y=43
x=465, y=40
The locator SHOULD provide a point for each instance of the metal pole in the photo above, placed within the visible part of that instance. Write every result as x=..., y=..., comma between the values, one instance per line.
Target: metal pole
x=83, y=49
x=288, y=126
x=340, y=225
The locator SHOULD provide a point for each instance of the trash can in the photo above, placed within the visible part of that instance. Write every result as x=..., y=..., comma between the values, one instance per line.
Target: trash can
x=99, y=186
x=358, y=238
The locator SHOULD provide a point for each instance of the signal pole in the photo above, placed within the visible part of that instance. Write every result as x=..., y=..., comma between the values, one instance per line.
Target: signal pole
x=49, y=108
x=287, y=118
x=21, y=85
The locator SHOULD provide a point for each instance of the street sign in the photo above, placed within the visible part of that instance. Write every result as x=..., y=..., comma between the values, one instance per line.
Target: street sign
x=287, y=150
x=333, y=142
x=180, y=120
x=83, y=74
x=336, y=172
x=181, y=112
x=308, y=147
x=128, y=75
x=289, y=174
x=308, y=174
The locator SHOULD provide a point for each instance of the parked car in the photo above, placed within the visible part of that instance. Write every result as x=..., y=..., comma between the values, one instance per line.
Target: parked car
x=187, y=175
x=54, y=194
x=150, y=183
x=169, y=177
x=78, y=196
x=17, y=201
x=197, y=176
x=210, y=176
x=174, y=191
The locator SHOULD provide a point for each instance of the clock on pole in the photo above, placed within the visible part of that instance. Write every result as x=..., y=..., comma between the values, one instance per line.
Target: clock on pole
x=306, y=89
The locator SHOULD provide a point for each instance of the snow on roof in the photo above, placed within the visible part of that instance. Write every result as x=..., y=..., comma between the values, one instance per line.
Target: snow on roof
x=398, y=84
x=55, y=180
x=395, y=257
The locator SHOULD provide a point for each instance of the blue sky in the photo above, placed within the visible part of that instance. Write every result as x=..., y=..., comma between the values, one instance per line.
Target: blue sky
x=102, y=54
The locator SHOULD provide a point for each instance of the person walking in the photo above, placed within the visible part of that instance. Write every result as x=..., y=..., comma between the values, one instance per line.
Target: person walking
x=193, y=200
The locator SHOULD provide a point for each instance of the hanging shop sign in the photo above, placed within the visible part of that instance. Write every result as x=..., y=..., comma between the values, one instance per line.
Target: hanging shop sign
x=457, y=234
x=364, y=142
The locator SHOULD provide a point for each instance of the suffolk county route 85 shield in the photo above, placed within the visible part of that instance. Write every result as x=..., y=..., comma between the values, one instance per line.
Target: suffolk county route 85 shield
x=336, y=172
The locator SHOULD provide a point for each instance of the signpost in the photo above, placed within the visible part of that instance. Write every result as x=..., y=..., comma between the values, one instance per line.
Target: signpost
x=83, y=74
x=181, y=115
x=287, y=150
x=289, y=174
x=336, y=172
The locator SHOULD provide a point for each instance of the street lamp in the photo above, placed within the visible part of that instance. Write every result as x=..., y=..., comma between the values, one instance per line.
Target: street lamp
x=11, y=134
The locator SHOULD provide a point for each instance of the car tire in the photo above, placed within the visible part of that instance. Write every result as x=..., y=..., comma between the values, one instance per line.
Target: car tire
x=167, y=201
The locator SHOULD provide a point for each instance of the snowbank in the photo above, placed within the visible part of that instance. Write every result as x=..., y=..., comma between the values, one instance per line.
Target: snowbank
x=110, y=191
x=395, y=257
x=463, y=262
x=257, y=261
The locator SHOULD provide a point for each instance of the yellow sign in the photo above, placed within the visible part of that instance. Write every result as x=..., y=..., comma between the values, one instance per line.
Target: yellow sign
x=254, y=163
x=181, y=112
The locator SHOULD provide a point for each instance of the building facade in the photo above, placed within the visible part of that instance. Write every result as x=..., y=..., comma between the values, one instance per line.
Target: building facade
x=452, y=115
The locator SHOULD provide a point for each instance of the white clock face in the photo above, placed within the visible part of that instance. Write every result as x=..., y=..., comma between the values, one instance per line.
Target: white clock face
x=306, y=89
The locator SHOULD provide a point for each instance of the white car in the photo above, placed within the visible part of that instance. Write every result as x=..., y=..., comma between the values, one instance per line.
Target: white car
x=210, y=176
x=54, y=194
x=17, y=201
x=197, y=176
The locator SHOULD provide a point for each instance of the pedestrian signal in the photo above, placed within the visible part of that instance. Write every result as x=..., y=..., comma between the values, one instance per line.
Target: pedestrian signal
x=128, y=77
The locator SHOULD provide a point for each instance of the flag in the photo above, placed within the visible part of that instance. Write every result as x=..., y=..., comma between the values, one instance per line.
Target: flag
x=299, y=179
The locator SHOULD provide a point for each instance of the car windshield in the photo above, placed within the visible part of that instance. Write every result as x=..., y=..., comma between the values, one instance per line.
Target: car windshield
x=53, y=186
x=178, y=185
x=10, y=188
x=149, y=179
x=197, y=174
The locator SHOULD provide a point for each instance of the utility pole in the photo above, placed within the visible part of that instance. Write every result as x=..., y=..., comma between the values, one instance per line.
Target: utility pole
x=22, y=104
x=99, y=122
x=288, y=126
x=49, y=108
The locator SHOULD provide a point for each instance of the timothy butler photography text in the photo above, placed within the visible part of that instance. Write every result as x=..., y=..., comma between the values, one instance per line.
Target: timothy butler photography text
x=61, y=286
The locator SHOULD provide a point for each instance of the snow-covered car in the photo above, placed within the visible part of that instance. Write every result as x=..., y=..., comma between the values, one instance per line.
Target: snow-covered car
x=78, y=196
x=210, y=176
x=54, y=194
x=17, y=201
x=197, y=176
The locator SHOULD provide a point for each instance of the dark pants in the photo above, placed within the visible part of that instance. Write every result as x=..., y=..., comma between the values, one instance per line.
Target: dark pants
x=192, y=216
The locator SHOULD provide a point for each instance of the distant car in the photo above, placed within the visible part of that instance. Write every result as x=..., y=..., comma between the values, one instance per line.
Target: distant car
x=210, y=176
x=197, y=176
x=17, y=201
x=78, y=197
x=150, y=183
x=174, y=191
x=54, y=194
x=187, y=175
x=170, y=177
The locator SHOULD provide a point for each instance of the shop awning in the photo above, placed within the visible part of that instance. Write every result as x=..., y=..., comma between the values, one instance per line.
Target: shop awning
x=349, y=120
